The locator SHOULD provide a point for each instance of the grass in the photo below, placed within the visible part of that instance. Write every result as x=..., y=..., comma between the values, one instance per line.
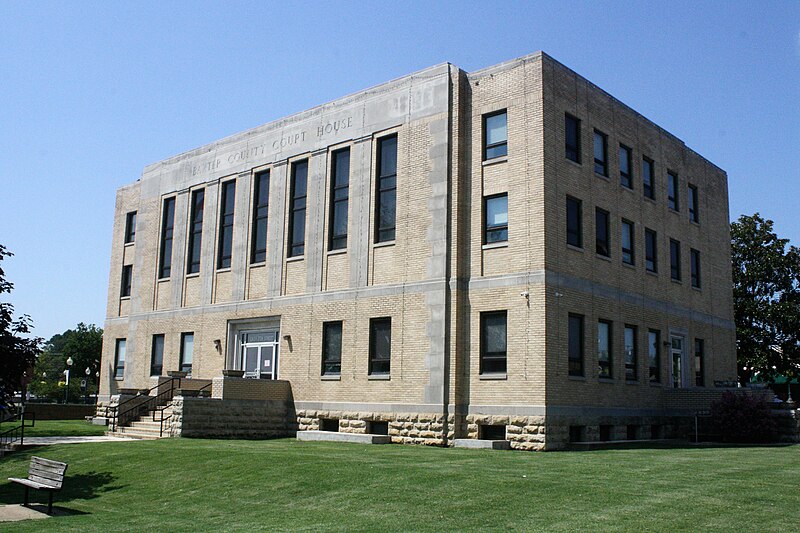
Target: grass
x=59, y=428
x=285, y=485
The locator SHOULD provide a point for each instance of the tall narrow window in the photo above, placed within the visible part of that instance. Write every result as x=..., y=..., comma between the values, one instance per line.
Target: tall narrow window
x=195, y=232
x=600, y=153
x=495, y=135
x=130, y=227
x=157, y=356
x=167, y=225
x=340, y=193
x=187, y=352
x=380, y=346
x=493, y=342
x=574, y=216
x=654, y=355
x=297, y=208
x=127, y=277
x=651, y=250
x=675, y=259
x=227, y=205
x=572, y=138
x=694, y=204
x=332, y=348
x=699, y=370
x=386, y=207
x=672, y=191
x=625, y=171
x=575, y=348
x=694, y=256
x=119, y=359
x=602, y=232
x=604, y=357
x=631, y=354
x=648, y=178
x=628, y=250
x=496, y=219
x=258, y=250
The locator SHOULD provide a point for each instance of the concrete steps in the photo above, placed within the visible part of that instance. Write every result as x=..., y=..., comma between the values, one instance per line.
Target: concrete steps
x=144, y=427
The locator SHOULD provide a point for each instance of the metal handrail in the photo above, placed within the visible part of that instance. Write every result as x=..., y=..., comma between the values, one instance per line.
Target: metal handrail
x=121, y=417
x=10, y=435
x=161, y=419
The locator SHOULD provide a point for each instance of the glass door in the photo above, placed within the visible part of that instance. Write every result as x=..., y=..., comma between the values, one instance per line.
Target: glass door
x=259, y=355
x=676, y=351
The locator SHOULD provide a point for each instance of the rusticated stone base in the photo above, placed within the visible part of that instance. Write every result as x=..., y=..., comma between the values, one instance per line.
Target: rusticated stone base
x=404, y=428
x=524, y=432
x=254, y=419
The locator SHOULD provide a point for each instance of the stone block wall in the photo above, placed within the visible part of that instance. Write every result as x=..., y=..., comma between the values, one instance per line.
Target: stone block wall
x=430, y=429
x=253, y=419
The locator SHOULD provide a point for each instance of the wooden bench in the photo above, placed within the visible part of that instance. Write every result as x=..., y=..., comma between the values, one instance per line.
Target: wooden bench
x=43, y=474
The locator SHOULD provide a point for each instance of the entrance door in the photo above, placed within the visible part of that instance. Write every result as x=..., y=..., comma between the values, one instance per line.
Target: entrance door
x=676, y=353
x=259, y=355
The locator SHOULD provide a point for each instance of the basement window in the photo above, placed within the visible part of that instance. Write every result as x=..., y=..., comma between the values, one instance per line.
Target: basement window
x=496, y=432
x=605, y=432
x=378, y=428
x=329, y=424
x=577, y=433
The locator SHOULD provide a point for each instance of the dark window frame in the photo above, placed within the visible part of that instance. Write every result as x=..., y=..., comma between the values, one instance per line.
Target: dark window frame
x=576, y=360
x=379, y=364
x=298, y=203
x=126, y=281
x=605, y=367
x=130, y=227
x=572, y=144
x=626, y=178
x=628, y=254
x=261, y=184
x=648, y=171
x=497, y=232
x=631, y=359
x=654, y=359
x=673, y=189
x=339, y=195
x=500, y=146
x=602, y=244
x=693, y=200
x=183, y=365
x=600, y=165
x=695, y=268
x=226, y=216
x=675, y=259
x=119, y=365
x=156, y=358
x=575, y=234
x=195, y=245
x=331, y=363
x=699, y=362
x=651, y=250
x=494, y=362
x=167, y=232
x=386, y=186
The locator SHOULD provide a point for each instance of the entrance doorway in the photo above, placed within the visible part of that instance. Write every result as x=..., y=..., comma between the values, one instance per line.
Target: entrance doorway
x=259, y=354
x=676, y=356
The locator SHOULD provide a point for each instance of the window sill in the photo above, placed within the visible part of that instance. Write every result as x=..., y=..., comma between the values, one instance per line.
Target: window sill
x=629, y=265
x=574, y=248
x=626, y=188
x=577, y=378
x=383, y=244
x=577, y=164
x=331, y=377
x=259, y=264
x=674, y=211
x=119, y=379
x=602, y=177
x=193, y=275
x=631, y=382
x=493, y=245
x=493, y=377
x=656, y=384
x=697, y=289
x=694, y=223
x=494, y=161
x=128, y=244
x=606, y=380
x=295, y=259
x=676, y=281
x=340, y=251
x=124, y=298
x=221, y=270
x=162, y=280
x=651, y=272
x=379, y=377
x=603, y=257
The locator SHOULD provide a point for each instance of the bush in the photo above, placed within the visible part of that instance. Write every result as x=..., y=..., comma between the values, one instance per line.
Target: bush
x=743, y=418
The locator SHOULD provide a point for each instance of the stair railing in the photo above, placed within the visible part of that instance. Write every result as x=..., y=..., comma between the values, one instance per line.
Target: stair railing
x=132, y=408
x=17, y=432
x=160, y=410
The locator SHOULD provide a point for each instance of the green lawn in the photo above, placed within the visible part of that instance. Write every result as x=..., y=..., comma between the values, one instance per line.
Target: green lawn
x=59, y=428
x=217, y=485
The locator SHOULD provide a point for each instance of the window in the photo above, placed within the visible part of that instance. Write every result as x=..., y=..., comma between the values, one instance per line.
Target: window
x=654, y=355
x=631, y=355
x=651, y=250
x=600, y=153
x=385, y=210
x=130, y=227
x=572, y=138
x=648, y=178
x=297, y=208
x=167, y=225
x=157, y=356
x=602, y=232
x=575, y=345
x=628, y=251
x=672, y=191
x=493, y=342
x=227, y=204
x=675, y=259
x=127, y=277
x=574, y=216
x=699, y=356
x=380, y=346
x=495, y=218
x=119, y=359
x=604, y=359
x=195, y=232
x=694, y=204
x=625, y=171
x=332, y=348
x=495, y=135
x=340, y=194
x=187, y=351
x=694, y=256
x=258, y=247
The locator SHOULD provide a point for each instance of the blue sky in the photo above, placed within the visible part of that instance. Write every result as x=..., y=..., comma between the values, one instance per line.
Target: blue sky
x=90, y=93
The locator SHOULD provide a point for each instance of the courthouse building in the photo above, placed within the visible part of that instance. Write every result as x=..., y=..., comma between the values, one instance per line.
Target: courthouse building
x=507, y=253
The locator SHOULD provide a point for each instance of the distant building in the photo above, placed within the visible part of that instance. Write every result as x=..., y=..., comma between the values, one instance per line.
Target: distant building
x=510, y=252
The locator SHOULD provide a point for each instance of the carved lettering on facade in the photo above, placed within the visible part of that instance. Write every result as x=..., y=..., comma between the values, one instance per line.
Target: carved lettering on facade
x=334, y=127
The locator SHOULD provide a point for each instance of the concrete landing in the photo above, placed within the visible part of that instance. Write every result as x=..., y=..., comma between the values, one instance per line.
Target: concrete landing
x=17, y=512
x=335, y=436
x=482, y=444
x=46, y=441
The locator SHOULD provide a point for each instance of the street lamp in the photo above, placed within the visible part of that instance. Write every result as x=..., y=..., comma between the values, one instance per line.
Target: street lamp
x=88, y=373
x=66, y=373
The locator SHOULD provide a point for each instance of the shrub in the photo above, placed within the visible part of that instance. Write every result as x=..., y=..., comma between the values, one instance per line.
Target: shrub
x=743, y=418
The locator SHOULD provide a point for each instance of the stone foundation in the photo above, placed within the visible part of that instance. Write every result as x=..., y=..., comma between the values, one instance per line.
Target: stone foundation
x=404, y=428
x=244, y=419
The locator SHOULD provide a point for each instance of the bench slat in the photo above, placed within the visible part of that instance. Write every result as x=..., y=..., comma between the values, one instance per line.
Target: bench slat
x=45, y=472
x=48, y=468
x=32, y=484
x=48, y=462
x=56, y=484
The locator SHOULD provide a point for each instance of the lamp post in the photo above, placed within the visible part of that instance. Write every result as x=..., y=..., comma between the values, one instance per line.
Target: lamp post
x=66, y=373
x=88, y=373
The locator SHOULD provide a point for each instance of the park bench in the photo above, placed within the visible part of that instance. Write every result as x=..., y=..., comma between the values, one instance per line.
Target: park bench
x=43, y=474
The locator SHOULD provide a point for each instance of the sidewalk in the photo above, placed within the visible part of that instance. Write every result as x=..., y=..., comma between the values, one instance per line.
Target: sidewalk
x=45, y=441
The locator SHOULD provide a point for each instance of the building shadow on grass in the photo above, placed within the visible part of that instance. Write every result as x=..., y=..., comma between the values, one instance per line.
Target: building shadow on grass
x=76, y=487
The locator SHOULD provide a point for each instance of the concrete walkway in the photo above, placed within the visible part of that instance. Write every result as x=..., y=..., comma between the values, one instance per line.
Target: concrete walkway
x=16, y=512
x=45, y=441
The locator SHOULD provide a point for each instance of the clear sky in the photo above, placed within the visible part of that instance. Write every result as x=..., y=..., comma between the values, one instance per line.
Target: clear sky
x=90, y=93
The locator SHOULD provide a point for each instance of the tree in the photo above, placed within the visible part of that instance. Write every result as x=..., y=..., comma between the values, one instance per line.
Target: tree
x=766, y=298
x=84, y=346
x=17, y=353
